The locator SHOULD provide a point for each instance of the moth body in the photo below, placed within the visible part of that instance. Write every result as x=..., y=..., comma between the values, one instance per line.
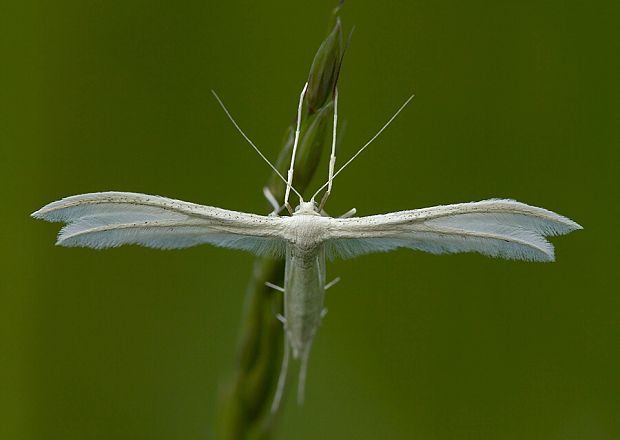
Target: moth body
x=304, y=292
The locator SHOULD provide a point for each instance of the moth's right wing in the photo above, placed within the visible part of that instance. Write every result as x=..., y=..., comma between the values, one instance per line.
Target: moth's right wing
x=111, y=219
x=497, y=228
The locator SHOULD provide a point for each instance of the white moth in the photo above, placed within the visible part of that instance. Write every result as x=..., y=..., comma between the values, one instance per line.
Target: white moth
x=497, y=228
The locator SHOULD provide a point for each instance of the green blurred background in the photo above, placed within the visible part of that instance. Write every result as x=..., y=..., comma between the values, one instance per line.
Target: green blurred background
x=514, y=99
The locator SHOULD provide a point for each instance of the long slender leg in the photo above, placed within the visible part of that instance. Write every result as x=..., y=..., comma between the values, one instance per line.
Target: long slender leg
x=282, y=379
x=350, y=213
x=332, y=283
x=272, y=200
x=274, y=287
x=332, y=158
x=289, y=182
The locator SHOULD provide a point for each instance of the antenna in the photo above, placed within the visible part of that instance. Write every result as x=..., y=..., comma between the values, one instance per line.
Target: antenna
x=275, y=170
x=365, y=145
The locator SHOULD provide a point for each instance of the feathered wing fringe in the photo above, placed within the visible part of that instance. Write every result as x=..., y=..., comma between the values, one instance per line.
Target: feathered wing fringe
x=111, y=219
x=496, y=228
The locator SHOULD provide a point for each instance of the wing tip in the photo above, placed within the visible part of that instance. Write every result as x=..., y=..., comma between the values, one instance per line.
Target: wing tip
x=569, y=225
x=576, y=226
x=549, y=257
x=49, y=212
x=39, y=214
x=60, y=241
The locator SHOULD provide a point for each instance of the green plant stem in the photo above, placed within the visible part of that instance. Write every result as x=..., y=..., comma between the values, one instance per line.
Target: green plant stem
x=246, y=398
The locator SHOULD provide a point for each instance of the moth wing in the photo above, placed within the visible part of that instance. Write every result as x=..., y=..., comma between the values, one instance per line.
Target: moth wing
x=497, y=228
x=111, y=219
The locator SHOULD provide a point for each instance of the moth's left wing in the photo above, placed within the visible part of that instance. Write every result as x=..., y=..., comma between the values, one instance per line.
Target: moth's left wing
x=111, y=219
x=497, y=228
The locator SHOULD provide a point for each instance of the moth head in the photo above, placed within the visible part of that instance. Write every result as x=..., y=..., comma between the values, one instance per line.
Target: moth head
x=307, y=208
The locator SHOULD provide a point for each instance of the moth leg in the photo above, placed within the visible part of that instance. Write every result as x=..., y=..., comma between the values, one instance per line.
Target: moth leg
x=278, y=315
x=272, y=201
x=332, y=158
x=323, y=312
x=271, y=198
x=274, y=287
x=282, y=379
x=289, y=181
x=332, y=283
x=350, y=213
